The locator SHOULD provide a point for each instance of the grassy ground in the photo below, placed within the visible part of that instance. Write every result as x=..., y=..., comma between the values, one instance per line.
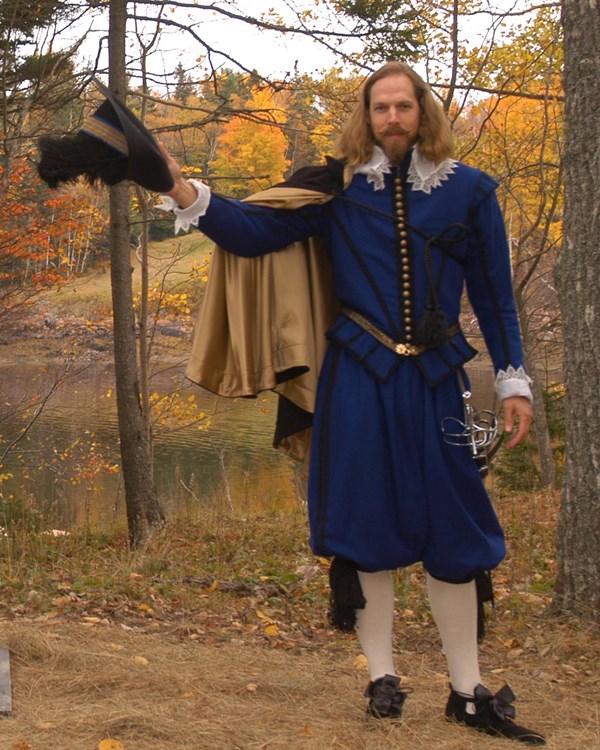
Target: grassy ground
x=215, y=636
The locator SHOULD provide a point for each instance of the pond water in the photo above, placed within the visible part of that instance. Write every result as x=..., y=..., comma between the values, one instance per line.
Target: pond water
x=62, y=463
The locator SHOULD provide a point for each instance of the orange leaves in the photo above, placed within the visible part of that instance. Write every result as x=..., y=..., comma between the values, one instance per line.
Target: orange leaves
x=44, y=239
x=81, y=461
x=252, y=146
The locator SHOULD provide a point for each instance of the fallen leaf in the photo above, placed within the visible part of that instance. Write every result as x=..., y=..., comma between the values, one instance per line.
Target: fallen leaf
x=569, y=669
x=308, y=732
x=61, y=601
x=263, y=617
x=251, y=687
x=111, y=745
x=360, y=662
x=272, y=629
x=141, y=661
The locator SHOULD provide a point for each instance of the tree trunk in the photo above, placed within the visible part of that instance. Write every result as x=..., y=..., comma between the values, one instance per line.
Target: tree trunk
x=143, y=508
x=540, y=417
x=578, y=282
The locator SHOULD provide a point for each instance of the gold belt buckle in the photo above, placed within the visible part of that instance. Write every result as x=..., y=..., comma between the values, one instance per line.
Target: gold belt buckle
x=406, y=350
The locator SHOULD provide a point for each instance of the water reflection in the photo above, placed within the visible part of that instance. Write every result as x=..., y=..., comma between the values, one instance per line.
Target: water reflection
x=230, y=462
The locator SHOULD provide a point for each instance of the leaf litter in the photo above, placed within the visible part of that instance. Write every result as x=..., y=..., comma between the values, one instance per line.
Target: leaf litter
x=251, y=663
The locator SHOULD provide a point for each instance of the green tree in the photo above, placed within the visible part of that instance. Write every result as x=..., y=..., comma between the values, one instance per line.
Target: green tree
x=389, y=29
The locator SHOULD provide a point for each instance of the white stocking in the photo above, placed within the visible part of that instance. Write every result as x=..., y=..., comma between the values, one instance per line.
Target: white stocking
x=374, y=623
x=454, y=609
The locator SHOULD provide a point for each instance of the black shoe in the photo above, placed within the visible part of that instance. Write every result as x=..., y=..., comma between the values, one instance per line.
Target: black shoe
x=386, y=697
x=493, y=714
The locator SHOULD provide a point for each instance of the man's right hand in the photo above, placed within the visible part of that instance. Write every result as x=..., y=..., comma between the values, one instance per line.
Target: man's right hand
x=183, y=192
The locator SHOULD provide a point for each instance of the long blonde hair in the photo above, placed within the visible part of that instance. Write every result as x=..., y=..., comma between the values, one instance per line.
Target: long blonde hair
x=356, y=141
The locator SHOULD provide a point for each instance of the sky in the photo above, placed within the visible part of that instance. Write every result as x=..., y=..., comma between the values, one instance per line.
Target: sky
x=270, y=53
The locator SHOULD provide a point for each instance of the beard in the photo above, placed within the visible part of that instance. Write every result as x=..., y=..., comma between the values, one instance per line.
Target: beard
x=395, y=143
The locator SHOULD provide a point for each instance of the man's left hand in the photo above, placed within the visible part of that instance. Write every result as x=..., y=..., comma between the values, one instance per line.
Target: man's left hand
x=517, y=418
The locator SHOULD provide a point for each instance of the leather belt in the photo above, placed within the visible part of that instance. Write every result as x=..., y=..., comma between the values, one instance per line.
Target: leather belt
x=401, y=348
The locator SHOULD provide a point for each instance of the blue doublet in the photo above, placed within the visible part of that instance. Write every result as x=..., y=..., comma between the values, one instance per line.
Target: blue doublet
x=385, y=490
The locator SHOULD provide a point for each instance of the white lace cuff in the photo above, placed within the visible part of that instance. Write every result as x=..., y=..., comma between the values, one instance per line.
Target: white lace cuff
x=511, y=382
x=185, y=217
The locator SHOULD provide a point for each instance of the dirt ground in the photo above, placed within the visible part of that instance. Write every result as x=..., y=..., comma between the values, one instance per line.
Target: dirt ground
x=77, y=684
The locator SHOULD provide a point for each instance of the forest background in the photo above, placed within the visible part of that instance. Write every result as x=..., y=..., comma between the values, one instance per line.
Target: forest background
x=499, y=75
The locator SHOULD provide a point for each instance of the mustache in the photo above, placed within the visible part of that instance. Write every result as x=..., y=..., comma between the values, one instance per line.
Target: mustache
x=395, y=130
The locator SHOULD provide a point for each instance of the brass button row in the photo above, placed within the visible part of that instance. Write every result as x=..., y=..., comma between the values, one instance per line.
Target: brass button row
x=404, y=256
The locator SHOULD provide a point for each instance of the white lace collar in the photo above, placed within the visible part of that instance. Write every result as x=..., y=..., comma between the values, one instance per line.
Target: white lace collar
x=423, y=174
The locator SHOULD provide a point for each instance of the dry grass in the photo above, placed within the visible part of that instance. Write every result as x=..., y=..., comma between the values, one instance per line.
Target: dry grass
x=227, y=622
x=75, y=685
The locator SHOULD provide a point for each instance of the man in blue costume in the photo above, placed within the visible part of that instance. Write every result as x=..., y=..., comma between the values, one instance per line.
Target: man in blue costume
x=405, y=228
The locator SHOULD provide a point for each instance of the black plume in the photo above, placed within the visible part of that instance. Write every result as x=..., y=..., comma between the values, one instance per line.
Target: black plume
x=67, y=158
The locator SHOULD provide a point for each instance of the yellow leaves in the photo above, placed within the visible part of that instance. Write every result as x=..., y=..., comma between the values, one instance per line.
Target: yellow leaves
x=360, y=662
x=270, y=627
x=199, y=270
x=111, y=744
x=140, y=661
x=252, y=146
x=173, y=410
x=166, y=303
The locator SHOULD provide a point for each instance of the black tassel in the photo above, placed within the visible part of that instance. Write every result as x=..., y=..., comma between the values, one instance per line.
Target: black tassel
x=346, y=595
x=485, y=593
x=432, y=330
x=67, y=158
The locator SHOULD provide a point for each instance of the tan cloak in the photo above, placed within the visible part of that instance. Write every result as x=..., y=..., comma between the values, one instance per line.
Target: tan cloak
x=263, y=320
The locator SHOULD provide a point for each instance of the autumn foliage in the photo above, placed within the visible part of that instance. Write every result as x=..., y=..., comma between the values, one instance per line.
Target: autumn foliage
x=44, y=238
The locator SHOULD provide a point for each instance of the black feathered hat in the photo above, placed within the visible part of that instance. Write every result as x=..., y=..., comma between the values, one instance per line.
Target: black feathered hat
x=111, y=145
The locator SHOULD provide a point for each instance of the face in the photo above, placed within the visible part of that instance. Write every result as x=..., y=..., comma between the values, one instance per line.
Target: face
x=394, y=115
